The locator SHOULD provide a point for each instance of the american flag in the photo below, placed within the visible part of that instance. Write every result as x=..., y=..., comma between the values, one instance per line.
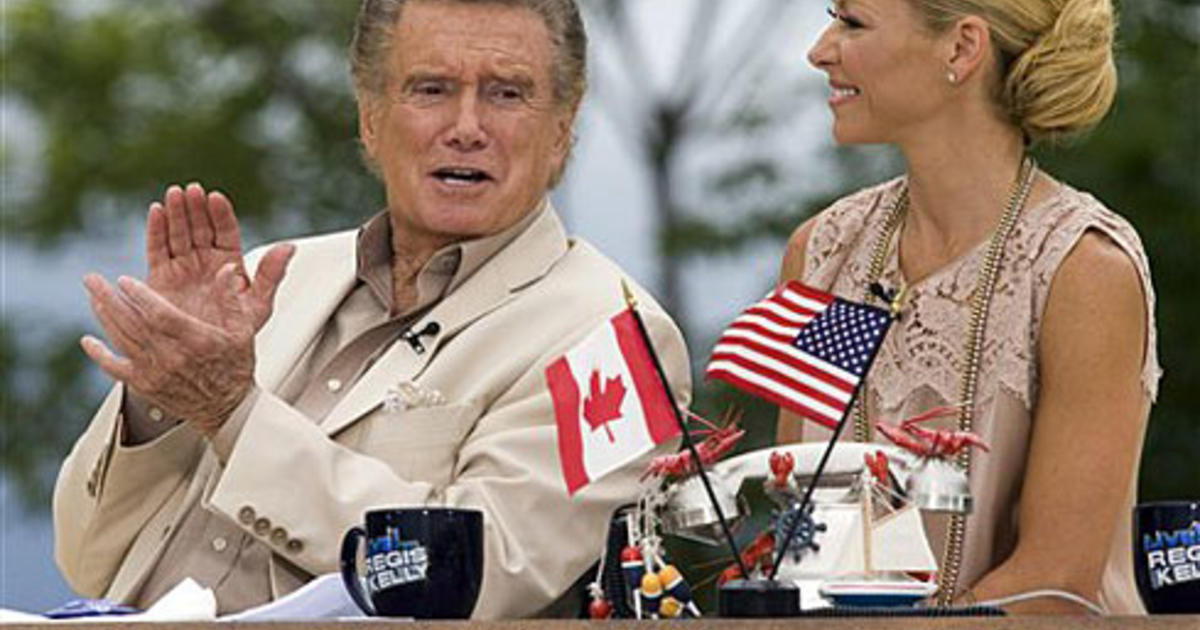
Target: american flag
x=802, y=349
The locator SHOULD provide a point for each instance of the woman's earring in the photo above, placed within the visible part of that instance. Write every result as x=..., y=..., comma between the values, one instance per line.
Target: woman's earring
x=951, y=77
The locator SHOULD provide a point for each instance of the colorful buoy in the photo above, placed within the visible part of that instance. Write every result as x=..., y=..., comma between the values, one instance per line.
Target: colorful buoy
x=670, y=608
x=600, y=609
x=632, y=567
x=651, y=594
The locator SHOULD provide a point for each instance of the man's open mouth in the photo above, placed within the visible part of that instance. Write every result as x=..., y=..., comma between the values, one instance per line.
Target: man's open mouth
x=462, y=175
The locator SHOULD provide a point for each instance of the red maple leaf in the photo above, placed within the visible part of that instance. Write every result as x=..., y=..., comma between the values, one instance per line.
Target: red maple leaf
x=603, y=405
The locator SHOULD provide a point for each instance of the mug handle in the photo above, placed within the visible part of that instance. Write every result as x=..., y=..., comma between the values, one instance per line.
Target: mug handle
x=354, y=583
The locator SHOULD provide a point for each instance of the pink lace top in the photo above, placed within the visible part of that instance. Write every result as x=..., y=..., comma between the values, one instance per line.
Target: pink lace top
x=921, y=362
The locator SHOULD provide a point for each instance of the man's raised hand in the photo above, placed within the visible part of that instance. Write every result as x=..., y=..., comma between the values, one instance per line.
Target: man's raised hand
x=186, y=335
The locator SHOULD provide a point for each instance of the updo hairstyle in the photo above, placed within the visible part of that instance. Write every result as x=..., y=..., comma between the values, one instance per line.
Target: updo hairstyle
x=1058, y=77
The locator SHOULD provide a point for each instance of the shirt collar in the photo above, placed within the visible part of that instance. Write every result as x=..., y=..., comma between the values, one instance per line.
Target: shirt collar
x=445, y=271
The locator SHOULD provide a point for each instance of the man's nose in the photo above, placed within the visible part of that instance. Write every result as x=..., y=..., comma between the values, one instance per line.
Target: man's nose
x=467, y=133
x=823, y=52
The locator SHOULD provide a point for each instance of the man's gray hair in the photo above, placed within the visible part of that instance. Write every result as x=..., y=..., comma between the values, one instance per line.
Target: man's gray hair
x=372, y=43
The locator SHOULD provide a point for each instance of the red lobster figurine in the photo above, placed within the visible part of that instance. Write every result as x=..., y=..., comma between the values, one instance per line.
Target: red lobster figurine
x=934, y=443
x=781, y=469
x=757, y=554
x=719, y=440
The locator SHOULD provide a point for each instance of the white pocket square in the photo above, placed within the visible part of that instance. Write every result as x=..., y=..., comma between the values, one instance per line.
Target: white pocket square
x=408, y=395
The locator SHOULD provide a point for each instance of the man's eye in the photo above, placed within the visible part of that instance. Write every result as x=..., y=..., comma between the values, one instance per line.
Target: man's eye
x=507, y=93
x=429, y=88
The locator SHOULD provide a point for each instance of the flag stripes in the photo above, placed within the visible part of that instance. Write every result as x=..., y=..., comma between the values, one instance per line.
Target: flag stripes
x=761, y=351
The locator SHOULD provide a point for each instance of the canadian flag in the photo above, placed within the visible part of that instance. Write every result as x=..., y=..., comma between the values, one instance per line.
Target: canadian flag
x=609, y=402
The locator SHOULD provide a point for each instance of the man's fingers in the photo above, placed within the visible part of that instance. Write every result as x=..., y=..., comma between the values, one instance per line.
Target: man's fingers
x=227, y=233
x=158, y=312
x=270, y=273
x=271, y=269
x=119, y=368
x=231, y=282
x=179, y=237
x=157, y=250
x=121, y=323
x=199, y=221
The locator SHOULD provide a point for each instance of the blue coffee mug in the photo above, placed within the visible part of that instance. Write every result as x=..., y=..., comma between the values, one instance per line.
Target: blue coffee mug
x=425, y=563
x=1166, y=556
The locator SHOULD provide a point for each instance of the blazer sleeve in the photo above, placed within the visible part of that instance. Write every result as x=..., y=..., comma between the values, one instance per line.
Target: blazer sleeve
x=106, y=493
x=285, y=476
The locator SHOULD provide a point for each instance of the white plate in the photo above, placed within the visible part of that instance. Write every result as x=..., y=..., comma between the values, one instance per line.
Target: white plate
x=876, y=593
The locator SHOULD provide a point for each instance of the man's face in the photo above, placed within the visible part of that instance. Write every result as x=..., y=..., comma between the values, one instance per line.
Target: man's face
x=468, y=133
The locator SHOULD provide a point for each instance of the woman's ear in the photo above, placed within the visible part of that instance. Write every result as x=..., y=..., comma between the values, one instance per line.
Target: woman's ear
x=968, y=47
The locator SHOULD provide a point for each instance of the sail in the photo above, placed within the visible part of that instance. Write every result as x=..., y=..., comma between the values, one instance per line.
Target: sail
x=898, y=543
x=842, y=528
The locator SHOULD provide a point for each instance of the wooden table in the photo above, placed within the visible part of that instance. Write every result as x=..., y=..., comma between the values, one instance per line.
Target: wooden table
x=1164, y=622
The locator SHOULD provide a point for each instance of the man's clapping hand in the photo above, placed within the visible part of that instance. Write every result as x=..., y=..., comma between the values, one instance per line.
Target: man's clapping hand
x=185, y=336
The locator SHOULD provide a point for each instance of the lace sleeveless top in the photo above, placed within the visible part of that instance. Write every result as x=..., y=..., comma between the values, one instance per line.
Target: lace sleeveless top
x=920, y=364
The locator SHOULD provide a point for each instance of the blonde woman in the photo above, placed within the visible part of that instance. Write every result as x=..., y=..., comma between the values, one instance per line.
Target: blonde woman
x=1023, y=300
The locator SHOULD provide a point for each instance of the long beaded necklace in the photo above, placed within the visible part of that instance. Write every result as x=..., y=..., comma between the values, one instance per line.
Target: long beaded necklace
x=981, y=300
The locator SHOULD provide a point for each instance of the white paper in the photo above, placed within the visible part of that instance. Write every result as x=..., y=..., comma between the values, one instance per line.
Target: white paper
x=324, y=597
x=15, y=616
x=188, y=601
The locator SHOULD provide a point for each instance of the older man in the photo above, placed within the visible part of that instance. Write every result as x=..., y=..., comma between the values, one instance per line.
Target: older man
x=256, y=419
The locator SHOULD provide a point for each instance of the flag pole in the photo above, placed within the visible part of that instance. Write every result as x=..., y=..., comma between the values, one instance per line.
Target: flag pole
x=631, y=302
x=812, y=485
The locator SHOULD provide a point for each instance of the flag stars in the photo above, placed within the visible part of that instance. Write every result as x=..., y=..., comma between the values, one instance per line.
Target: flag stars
x=844, y=336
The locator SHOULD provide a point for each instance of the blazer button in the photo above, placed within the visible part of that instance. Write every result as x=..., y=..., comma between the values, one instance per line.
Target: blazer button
x=294, y=546
x=262, y=526
x=246, y=515
x=278, y=536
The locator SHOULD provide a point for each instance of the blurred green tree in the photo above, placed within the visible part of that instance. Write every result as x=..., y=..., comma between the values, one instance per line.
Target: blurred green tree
x=251, y=97
x=1144, y=162
x=118, y=99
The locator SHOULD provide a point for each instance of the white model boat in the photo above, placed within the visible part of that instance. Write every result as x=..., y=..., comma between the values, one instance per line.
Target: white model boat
x=872, y=543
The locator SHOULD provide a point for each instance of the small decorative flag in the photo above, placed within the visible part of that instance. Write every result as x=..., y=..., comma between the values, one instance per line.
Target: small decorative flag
x=610, y=404
x=802, y=349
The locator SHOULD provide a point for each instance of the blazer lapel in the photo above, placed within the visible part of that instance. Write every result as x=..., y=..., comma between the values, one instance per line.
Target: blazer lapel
x=523, y=261
x=318, y=279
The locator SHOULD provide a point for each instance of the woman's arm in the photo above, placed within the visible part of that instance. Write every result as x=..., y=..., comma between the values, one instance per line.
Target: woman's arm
x=1087, y=430
x=790, y=427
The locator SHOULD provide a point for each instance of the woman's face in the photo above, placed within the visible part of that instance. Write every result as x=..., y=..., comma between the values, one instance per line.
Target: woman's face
x=888, y=73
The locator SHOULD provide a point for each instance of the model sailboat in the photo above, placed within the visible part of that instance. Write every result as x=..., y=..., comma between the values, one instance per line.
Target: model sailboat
x=880, y=555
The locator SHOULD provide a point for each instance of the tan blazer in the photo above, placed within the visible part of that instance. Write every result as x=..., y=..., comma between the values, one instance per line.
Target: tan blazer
x=298, y=485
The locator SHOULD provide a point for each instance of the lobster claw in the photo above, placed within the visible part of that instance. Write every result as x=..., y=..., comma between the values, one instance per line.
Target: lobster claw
x=900, y=438
x=781, y=466
x=878, y=465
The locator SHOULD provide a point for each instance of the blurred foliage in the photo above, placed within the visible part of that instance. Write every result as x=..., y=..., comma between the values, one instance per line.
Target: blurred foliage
x=1144, y=162
x=125, y=96
x=47, y=397
x=250, y=97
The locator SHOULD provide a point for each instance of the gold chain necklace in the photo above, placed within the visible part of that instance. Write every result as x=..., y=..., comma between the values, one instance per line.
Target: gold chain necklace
x=981, y=301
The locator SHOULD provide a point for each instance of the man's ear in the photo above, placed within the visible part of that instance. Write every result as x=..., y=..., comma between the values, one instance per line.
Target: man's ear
x=367, y=112
x=968, y=47
x=564, y=130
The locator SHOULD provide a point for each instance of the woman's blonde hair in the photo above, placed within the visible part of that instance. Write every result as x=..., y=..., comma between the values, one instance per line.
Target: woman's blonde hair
x=1058, y=77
